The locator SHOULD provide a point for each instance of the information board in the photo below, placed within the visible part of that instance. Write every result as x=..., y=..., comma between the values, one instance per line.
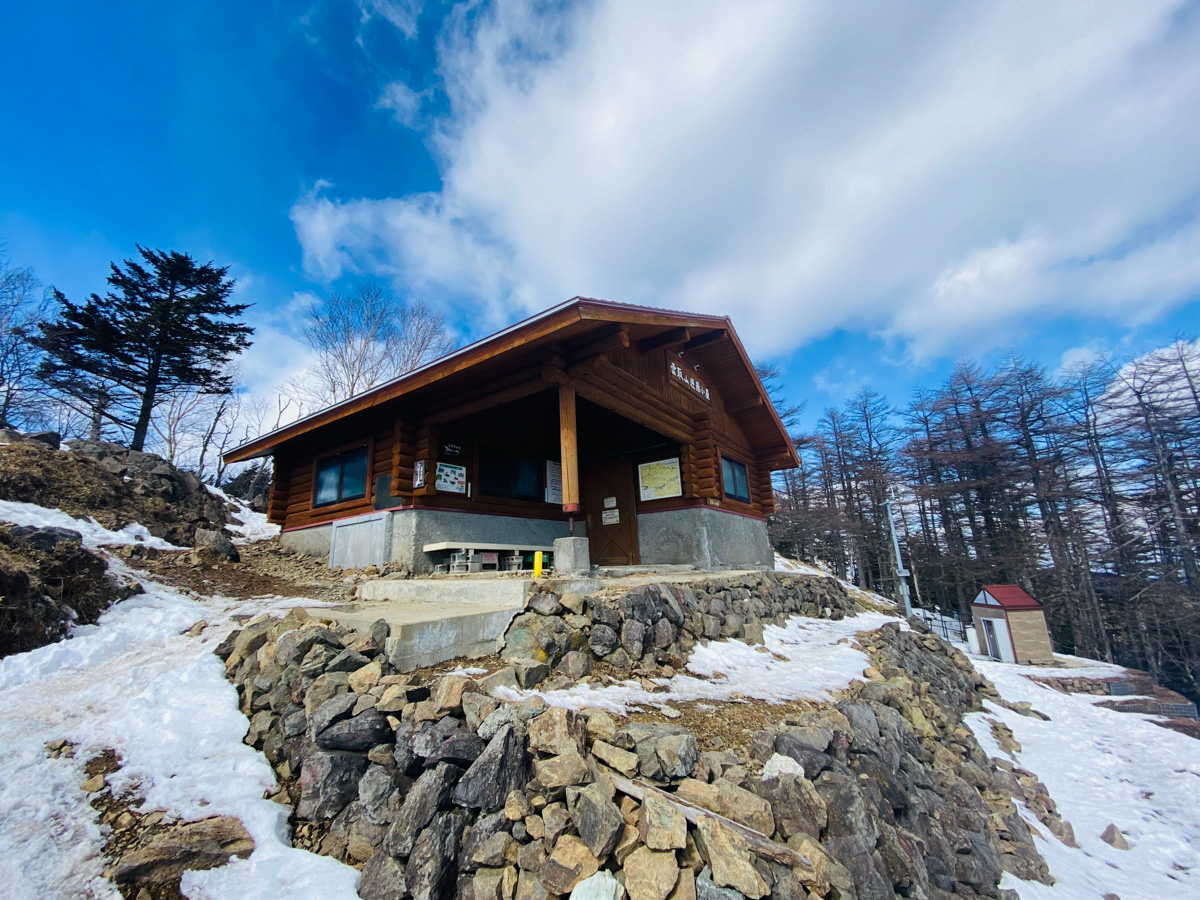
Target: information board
x=659, y=479
x=554, y=482
x=451, y=479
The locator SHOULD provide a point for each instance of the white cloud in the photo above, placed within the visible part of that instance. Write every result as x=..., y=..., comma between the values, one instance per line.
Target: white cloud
x=936, y=174
x=403, y=101
x=400, y=13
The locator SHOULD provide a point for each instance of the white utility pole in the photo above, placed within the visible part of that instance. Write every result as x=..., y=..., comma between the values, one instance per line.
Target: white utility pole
x=901, y=572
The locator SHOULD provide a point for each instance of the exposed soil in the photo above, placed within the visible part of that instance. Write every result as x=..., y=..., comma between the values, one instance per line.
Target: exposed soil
x=264, y=570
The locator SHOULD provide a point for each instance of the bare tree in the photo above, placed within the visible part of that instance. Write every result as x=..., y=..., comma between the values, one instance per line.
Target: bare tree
x=364, y=338
x=23, y=303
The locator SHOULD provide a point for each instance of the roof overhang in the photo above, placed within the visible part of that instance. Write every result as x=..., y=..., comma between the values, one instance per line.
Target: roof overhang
x=542, y=326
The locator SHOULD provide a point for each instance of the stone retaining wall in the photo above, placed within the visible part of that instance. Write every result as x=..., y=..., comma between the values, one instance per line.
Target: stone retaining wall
x=437, y=790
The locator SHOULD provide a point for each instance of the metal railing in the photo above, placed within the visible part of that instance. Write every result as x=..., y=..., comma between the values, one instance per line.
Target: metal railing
x=949, y=628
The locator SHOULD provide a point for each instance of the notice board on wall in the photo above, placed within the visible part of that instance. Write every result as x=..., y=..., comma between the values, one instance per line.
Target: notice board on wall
x=659, y=479
x=451, y=479
x=554, y=481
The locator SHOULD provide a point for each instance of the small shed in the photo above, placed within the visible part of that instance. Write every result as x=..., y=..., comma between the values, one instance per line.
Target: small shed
x=1011, y=625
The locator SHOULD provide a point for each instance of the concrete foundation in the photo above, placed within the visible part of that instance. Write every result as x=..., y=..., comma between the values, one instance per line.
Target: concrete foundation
x=308, y=541
x=572, y=556
x=414, y=528
x=705, y=537
x=701, y=536
x=399, y=535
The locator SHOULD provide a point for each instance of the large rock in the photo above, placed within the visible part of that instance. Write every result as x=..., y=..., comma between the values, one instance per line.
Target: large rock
x=217, y=542
x=732, y=802
x=661, y=823
x=792, y=746
x=650, y=874
x=729, y=857
x=601, y=886
x=362, y=732
x=795, y=804
x=677, y=754
x=382, y=878
x=633, y=638
x=189, y=845
x=501, y=768
x=379, y=792
x=447, y=696
x=706, y=888
x=485, y=829
x=622, y=760
x=462, y=749
x=328, y=781
x=597, y=820
x=575, y=665
x=431, y=868
x=541, y=638
x=558, y=730
x=568, y=864
x=430, y=794
x=562, y=770
x=603, y=640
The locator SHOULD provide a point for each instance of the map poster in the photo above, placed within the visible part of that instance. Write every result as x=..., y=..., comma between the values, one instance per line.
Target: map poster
x=659, y=479
x=451, y=479
x=553, y=481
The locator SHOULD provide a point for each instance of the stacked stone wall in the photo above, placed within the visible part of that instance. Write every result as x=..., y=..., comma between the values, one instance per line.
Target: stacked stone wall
x=436, y=789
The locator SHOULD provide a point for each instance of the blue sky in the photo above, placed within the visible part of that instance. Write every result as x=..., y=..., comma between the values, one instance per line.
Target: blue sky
x=870, y=191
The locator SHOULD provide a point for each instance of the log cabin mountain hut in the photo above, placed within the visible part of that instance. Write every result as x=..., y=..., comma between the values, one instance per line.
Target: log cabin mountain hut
x=629, y=435
x=1011, y=625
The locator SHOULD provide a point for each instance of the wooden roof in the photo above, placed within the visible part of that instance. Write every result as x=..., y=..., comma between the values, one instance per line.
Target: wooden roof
x=577, y=322
x=1006, y=596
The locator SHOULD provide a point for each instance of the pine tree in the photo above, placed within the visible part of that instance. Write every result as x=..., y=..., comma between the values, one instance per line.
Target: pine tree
x=164, y=328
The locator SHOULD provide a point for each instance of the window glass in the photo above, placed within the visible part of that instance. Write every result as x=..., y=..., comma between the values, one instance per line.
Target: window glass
x=329, y=473
x=733, y=477
x=508, y=475
x=354, y=474
x=342, y=477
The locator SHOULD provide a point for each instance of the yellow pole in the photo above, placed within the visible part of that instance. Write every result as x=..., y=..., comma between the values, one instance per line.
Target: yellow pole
x=537, y=564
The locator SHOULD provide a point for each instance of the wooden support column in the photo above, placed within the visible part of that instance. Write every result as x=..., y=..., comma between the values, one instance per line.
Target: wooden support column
x=570, y=447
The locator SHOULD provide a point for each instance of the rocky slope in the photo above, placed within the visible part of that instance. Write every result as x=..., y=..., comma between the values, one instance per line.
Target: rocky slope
x=437, y=789
x=48, y=579
x=109, y=483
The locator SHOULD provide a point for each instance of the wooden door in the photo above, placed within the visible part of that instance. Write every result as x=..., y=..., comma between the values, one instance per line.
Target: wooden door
x=611, y=517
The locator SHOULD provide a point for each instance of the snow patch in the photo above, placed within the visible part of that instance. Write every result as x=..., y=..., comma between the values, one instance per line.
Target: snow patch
x=94, y=534
x=135, y=683
x=254, y=527
x=806, y=658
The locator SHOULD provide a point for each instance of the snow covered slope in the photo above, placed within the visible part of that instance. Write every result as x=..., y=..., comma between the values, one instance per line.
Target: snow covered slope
x=1102, y=766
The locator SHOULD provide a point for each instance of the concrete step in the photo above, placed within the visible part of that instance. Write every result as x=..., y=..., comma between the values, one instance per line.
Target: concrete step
x=424, y=634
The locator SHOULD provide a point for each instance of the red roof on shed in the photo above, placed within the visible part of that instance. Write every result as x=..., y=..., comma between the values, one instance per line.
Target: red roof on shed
x=1009, y=596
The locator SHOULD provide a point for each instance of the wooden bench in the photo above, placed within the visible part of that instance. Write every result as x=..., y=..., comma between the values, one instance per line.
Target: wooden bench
x=480, y=556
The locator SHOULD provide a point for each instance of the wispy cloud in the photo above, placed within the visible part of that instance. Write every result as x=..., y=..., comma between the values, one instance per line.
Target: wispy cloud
x=938, y=175
x=400, y=13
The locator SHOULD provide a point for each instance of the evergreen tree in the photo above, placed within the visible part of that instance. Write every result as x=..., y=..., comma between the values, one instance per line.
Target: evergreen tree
x=164, y=328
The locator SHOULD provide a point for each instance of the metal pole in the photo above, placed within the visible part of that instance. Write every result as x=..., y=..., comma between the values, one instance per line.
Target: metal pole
x=901, y=572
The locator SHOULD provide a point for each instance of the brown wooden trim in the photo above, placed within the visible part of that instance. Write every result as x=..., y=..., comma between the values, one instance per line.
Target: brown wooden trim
x=705, y=339
x=613, y=338
x=670, y=338
x=569, y=441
